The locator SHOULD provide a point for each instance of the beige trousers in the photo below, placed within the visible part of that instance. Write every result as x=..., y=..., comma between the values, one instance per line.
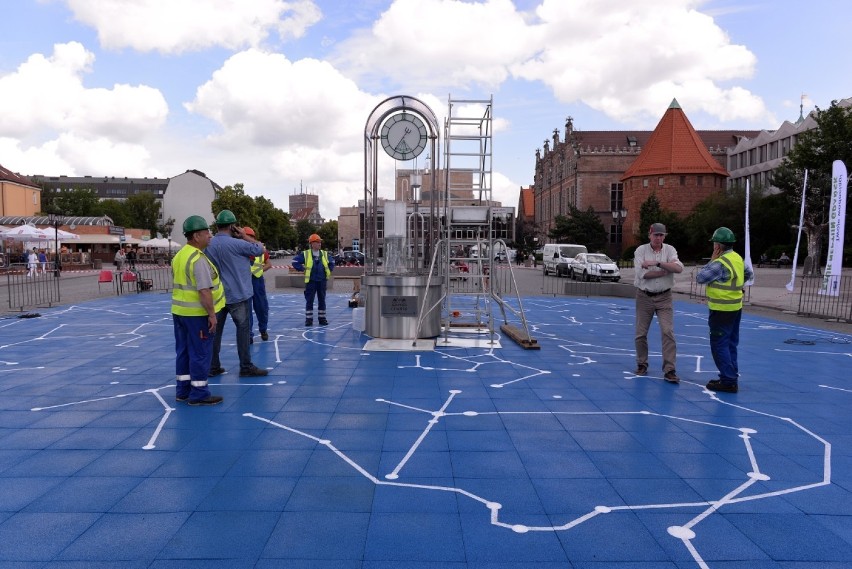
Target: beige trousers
x=646, y=307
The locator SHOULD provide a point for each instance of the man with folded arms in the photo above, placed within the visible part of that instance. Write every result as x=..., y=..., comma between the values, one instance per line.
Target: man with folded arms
x=656, y=264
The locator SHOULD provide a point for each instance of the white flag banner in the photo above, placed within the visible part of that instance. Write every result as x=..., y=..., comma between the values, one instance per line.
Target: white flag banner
x=792, y=283
x=836, y=226
x=747, y=251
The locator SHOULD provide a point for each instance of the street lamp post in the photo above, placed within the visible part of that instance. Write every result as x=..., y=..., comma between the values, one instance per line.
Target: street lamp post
x=618, y=216
x=168, y=226
x=55, y=220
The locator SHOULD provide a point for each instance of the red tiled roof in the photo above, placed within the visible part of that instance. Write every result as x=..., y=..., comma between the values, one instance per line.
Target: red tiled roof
x=302, y=213
x=7, y=175
x=674, y=148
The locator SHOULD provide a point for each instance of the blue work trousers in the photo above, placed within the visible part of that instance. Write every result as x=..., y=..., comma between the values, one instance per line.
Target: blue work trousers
x=315, y=288
x=724, y=338
x=260, y=304
x=193, y=345
x=239, y=312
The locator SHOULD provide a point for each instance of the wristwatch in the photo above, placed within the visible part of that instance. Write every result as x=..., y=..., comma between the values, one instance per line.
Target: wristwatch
x=658, y=264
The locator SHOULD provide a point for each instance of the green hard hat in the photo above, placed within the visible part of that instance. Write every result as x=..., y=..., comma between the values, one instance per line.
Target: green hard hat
x=226, y=217
x=194, y=223
x=723, y=235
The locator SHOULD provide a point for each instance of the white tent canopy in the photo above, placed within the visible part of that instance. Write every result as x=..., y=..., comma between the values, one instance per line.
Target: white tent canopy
x=160, y=243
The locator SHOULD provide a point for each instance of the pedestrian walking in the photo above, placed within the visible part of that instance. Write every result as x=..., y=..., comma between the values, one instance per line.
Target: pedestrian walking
x=725, y=276
x=32, y=263
x=231, y=254
x=656, y=263
x=197, y=295
x=317, y=265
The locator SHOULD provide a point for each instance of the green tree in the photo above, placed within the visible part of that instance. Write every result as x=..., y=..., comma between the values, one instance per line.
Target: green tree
x=527, y=238
x=328, y=232
x=81, y=202
x=651, y=211
x=304, y=228
x=815, y=151
x=115, y=210
x=144, y=211
x=274, y=224
x=581, y=227
x=235, y=199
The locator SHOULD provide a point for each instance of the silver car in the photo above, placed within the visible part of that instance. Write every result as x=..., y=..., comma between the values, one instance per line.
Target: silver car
x=594, y=267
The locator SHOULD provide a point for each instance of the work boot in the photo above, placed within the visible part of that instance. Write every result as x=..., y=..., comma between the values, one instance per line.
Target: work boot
x=323, y=321
x=641, y=369
x=309, y=322
x=725, y=386
x=264, y=336
x=671, y=377
x=214, y=371
x=209, y=400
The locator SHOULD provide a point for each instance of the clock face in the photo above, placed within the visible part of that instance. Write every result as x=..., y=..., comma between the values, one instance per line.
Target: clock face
x=404, y=136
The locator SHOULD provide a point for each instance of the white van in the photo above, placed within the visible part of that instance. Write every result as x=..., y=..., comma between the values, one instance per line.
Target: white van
x=557, y=257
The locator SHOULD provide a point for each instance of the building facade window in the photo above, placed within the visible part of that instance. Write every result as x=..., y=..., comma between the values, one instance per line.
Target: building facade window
x=616, y=196
x=700, y=180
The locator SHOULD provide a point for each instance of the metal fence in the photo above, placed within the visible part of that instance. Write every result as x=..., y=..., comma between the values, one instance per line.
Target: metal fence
x=145, y=278
x=25, y=289
x=836, y=306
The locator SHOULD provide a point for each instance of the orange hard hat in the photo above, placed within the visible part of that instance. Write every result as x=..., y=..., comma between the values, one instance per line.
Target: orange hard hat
x=248, y=231
x=314, y=238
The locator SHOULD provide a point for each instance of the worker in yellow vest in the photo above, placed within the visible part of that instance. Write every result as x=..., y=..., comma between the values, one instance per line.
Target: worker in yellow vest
x=725, y=276
x=197, y=296
x=317, y=265
x=259, y=301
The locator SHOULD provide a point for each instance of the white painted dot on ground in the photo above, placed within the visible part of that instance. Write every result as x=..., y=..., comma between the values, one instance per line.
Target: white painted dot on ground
x=520, y=529
x=681, y=532
x=557, y=397
x=470, y=413
x=758, y=476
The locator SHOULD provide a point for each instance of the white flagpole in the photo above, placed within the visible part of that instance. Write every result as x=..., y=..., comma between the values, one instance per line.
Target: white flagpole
x=792, y=283
x=748, y=237
x=836, y=227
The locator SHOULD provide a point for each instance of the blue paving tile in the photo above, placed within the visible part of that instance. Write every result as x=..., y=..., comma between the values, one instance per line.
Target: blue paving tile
x=331, y=494
x=221, y=535
x=342, y=535
x=565, y=464
x=116, y=537
x=17, y=493
x=414, y=537
x=249, y=493
x=164, y=495
x=781, y=536
x=497, y=464
x=486, y=542
x=41, y=536
x=576, y=495
x=54, y=463
x=83, y=494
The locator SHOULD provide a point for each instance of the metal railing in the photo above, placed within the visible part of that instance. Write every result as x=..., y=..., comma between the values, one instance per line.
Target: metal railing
x=812, y=303
x=27, y=289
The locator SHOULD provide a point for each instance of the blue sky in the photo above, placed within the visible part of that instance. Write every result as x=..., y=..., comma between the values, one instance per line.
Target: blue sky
x=274, y=93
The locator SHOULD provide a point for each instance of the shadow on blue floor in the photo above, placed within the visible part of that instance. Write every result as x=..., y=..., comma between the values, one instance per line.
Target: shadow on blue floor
x=460, y=457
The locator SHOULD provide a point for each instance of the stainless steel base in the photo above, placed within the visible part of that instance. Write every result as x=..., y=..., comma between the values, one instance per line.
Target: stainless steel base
x=395, y=302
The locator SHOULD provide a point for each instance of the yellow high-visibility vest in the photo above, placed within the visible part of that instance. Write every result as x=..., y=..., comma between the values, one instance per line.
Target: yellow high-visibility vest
x=727, y=296
x=185, y=298
x=309, y=263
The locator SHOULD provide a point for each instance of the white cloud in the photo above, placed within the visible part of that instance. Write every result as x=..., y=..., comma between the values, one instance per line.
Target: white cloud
x=264, y=99
x=72, y=155
x=434, y=43
x=176, y=26
x=626, y=59
x=48, y=94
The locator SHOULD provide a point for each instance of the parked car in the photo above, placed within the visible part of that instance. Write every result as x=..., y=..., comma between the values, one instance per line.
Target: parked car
x=556, y=257
x=594, y=266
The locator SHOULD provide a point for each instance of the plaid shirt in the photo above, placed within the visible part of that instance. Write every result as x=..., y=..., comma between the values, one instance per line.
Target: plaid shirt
x=718, y=272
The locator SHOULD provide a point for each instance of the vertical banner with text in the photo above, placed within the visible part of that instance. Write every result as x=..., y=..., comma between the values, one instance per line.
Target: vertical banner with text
x=836, y=227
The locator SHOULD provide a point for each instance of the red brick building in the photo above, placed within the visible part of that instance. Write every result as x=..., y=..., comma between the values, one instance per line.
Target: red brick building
x=589, y=168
